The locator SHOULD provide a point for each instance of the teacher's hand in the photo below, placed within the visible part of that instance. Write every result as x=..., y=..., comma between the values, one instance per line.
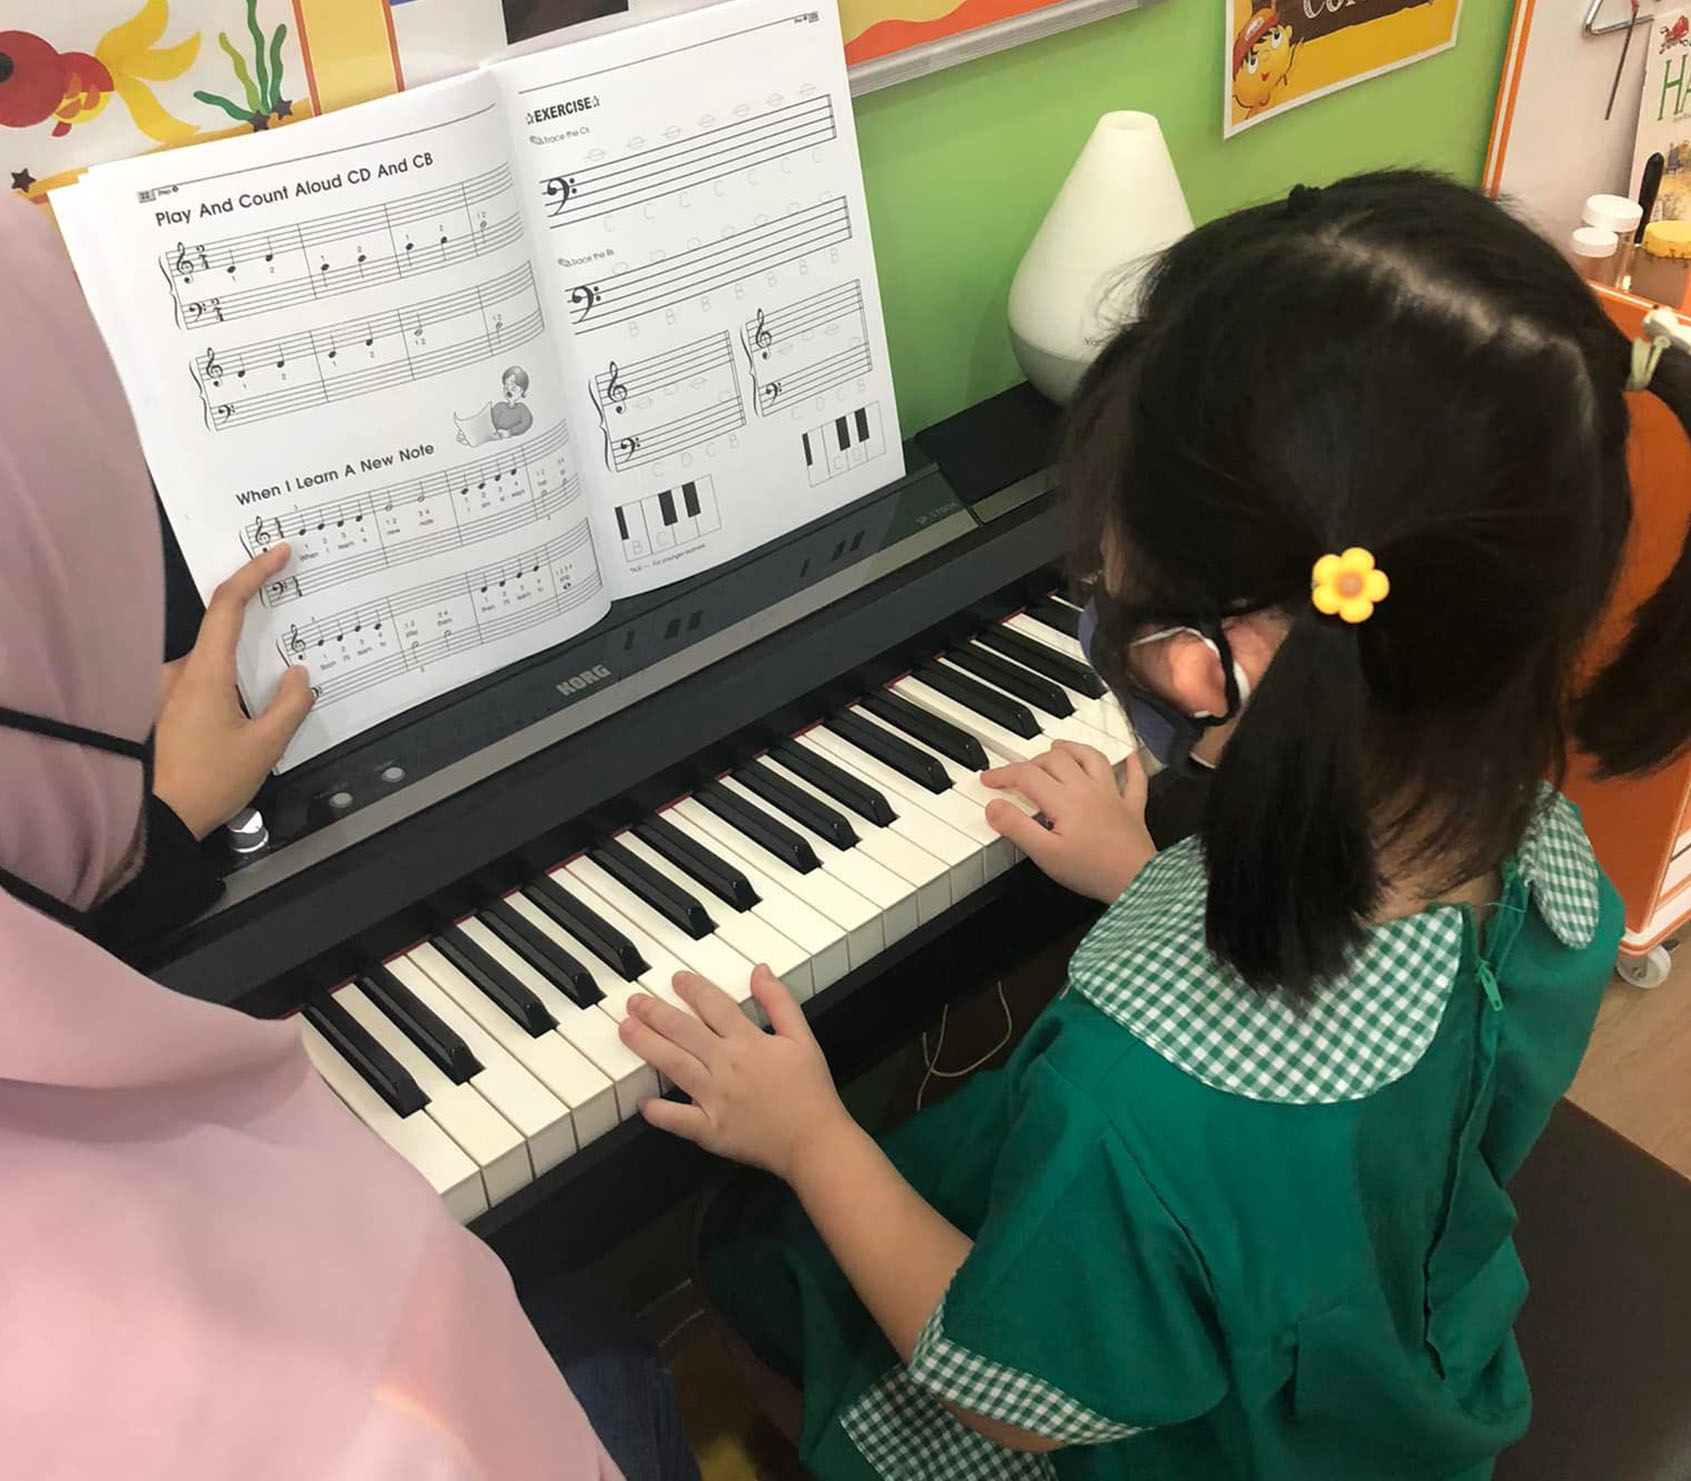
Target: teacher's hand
x=209, y=758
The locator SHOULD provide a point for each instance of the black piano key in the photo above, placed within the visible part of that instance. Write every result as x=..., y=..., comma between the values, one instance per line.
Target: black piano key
x=861, y=416
x=838, y=783
x=1059, y=667
x=1026, y=685
x=590, y=928
x=359, y=1048
x=519, y=1003
x=927, y=727
x=988, y=703
x=666, y=897
x=557, y=965
x=715, y=873
x=781, y=794
x=841, y=433
x=890, y=750
x=769, y=833
x=420, y=1024
x=690, y=499
x=666, y=505
x=1058, y=616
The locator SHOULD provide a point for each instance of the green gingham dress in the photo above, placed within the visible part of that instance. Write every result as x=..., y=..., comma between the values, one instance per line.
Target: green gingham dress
x=1215, y=1237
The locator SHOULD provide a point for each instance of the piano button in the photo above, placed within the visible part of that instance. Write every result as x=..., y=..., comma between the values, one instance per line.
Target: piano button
x=1027, y=686
x=710, y=956
x=949, y=807
x=449, y=1053
x=1067, y=727
x=1056, y=615
x=982, y=699
x=492, y=979
x=586, y=925
x=846, y=789
x=417, y=1139
x=892, y=897
x=930, y=729
x=550, y=1058
x=924, y=873
x=718, y=876
x=511, y=1090
x=751, y=821
x=486, y=1137
x=352, y=1041
x=889, y=749
x=1044, y=658
x=745, y=930
x=674, y=902
x=542, y=952
x=793, y=909
x=659, y=965
x=929, y=832
x=809, y=808
x=1001, y=744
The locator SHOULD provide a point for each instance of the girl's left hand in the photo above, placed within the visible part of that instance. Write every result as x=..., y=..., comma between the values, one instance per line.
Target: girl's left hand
x=758, y=1098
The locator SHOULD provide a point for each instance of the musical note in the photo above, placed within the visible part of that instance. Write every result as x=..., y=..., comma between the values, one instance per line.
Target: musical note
x=369, y=335
x=762, y=338
x=616, y=393
x=361, y=261
x=269, y=250
x=498, y=329
x=281, y=358
x=586, y=297
x=334, y=349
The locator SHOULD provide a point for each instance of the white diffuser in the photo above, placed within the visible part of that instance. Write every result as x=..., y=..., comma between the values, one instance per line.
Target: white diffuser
x=1119, y=207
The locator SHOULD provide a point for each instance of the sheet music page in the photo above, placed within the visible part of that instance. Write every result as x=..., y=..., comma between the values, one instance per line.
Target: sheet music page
x=696, y=198
x=333, y=335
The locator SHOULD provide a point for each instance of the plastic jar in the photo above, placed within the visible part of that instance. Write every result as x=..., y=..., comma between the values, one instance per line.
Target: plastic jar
x=1594, y=252
x=1662, y=271
x=1621, y=215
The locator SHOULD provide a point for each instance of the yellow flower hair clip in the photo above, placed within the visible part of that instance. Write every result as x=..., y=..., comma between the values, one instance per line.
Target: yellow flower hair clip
x=1348, y=585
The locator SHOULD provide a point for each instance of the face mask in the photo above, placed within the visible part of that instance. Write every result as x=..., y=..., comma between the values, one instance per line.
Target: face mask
x=76, y=735
x=1165, y=730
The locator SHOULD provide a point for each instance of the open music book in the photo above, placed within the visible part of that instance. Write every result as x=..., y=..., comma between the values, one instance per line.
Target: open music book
x=494, y=352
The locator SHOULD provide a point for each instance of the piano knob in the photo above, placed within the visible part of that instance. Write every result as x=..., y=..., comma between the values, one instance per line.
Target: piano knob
x=247, y=833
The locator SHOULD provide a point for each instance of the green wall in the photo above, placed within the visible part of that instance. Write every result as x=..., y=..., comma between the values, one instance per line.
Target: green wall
x=961, y=166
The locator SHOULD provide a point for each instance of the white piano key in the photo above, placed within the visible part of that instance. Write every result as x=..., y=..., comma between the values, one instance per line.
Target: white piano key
x=951, y=807
x=1104, y=714
x=548, y=1056
x=999, y=742
x=926, y=830
x=826, y=940
x=1040, y=633
x=927, y=875
x=416, y=1138
x=540, y=1116
x=487, y=1138
x=1053, y=727
x=844, y=906
x=710, y=956
x=745, y=930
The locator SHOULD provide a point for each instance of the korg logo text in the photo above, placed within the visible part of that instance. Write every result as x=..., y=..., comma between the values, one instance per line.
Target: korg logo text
x=586, y=679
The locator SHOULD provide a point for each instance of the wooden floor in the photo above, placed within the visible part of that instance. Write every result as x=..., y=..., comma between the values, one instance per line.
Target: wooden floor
x=1636, y=1077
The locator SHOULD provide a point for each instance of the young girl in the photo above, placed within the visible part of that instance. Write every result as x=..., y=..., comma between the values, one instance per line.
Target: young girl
x=1354, y=488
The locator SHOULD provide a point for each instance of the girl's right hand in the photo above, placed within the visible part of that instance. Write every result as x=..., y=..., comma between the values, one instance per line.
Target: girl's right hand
x=1097, y=840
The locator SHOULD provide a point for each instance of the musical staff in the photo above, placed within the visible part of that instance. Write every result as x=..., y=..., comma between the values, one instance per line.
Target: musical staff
x=651, y=174
x=653, y=408
x=374, y=642
x=688, y=275
x=402, y=523
x=221, y=281
x=806, y=348
x=273, y=378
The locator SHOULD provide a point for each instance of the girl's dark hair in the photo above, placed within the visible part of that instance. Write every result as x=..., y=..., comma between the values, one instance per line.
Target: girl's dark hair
x=1397, y=363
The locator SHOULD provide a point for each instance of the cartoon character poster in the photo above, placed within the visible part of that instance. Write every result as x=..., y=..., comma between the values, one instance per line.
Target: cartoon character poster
x=1281, y=53
x=104, y=79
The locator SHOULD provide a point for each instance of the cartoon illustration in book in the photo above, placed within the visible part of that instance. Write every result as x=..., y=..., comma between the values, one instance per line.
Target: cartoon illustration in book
x=262, y=84
x=507, y=417
x=1262, y=58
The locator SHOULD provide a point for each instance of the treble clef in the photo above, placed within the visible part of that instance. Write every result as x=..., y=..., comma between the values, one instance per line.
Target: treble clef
x=214, y=371
x=615, y=392
x=762, y=338
x=296, y=644
x=585, y=297
x=261, y=537
x=184, y=268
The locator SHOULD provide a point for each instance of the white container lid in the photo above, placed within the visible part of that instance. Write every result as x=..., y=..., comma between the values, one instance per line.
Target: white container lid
x=1593, y=241
x=1617, y=213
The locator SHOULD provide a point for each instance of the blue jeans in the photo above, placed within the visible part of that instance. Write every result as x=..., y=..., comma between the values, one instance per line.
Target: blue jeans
x=617, y=1376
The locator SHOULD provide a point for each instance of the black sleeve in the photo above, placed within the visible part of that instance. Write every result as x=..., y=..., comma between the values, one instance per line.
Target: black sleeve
x=177, y=881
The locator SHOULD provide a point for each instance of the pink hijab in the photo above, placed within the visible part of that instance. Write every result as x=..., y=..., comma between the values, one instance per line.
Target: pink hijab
x=208, y=1268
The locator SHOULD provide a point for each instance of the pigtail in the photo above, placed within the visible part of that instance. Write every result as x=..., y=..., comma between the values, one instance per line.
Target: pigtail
x=1636, y=715
x=1292, y=870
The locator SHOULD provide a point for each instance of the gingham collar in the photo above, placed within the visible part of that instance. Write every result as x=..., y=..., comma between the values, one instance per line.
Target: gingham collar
x=1146, y=966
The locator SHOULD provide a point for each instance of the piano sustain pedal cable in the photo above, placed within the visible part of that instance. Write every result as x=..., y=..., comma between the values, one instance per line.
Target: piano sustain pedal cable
x=930, y=1061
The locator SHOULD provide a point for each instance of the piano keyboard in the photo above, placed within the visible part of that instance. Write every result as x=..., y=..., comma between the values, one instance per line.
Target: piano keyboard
x=848, y=441
x=489, y=1053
